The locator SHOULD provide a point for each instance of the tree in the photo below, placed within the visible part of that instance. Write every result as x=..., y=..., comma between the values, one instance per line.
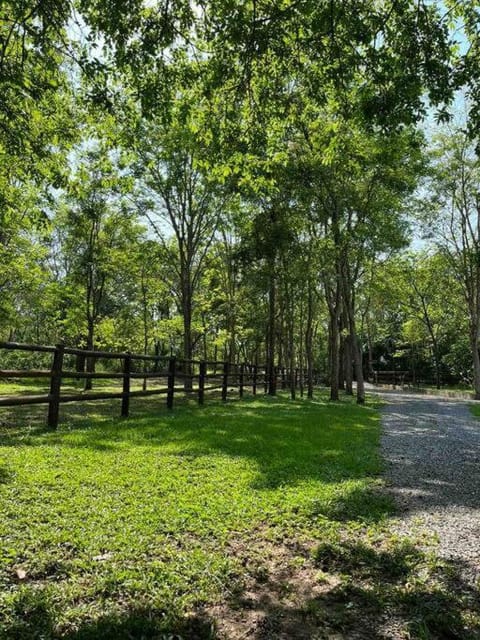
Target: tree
x=96, y=233
x=453, y=215
x=178, y=195
x=358, y=181
x=415, y=283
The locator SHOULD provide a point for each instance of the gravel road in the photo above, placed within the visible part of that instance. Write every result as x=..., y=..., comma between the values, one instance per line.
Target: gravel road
x=432, y=449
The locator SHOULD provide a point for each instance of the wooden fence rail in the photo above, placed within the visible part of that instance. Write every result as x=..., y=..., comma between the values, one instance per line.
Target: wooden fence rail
x=171, y=370
x=393, y=378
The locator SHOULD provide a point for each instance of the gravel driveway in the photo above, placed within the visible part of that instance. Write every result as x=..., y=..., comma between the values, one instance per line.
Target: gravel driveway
x=432, y=449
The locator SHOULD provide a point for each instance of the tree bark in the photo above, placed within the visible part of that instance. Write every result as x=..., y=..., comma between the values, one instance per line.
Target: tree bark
x=349, y=301
x=301, y=363
x=145, y=326
x=358, y=362
x=341, y=360
x=90, y=368
x=309, y=343
x=272, y=382
x=334, y=356
x=187, y=328
x=476, y=361
x=348, y=364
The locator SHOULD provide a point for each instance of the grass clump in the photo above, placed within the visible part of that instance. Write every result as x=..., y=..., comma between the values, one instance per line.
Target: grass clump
x=475, y=410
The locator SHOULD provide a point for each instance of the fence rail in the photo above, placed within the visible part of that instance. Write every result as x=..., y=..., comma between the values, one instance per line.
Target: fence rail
x=196, y=375
x=393, y=377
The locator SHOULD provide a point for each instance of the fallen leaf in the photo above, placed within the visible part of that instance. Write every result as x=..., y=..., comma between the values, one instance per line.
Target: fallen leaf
x=21, y=574
x=103, y=556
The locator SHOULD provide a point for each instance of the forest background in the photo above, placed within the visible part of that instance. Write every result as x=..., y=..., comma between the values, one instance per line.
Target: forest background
x=288, y=182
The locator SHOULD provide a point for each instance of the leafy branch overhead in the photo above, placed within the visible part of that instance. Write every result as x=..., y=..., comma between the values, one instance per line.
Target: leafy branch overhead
x=235, y=179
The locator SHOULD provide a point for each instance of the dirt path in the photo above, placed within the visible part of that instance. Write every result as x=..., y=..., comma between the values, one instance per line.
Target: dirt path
x=432, y=449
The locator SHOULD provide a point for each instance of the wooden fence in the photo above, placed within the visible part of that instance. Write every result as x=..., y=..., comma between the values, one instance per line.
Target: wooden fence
x=393, y=378
x=197, y=376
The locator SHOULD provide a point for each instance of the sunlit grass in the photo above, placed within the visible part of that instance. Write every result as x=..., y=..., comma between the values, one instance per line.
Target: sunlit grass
x=130, y=529
x=102, y=517
x=475, y=410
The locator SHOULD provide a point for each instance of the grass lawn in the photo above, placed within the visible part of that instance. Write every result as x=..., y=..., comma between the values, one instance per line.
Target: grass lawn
x=264, y=514
x=475, y=410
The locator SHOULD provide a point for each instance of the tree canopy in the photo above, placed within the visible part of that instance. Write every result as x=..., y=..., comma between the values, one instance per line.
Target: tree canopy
x=243, y=181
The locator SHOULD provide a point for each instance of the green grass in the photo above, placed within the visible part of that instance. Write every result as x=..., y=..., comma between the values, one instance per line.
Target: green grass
x=140, y=512
x=453, y=390
x=139, y=528
x=33, y=386
x=475, y=410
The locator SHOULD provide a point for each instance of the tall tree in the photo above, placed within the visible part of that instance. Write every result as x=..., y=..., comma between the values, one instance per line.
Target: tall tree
x=454, y=219
x=179, y=197
x=97, y=230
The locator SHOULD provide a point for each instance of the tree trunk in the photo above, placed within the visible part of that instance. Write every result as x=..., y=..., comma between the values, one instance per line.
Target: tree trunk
x=80, y=363
x=187, y=349
x=291, y=347
x=348, y=294
x=187, y=330
x=282, y=357
x=341, y=360
x=333, y=298
x=272, y=382
x=300, y=352
x=232, y=347
x=309, y=344
x=145, y=329
x=90, y=361
x=356, y=350
x=358, y=360
x=476, y=362
x=370, y=356
x=348, y=364
x=334, y=356
x=204, y=338
x=436, y=358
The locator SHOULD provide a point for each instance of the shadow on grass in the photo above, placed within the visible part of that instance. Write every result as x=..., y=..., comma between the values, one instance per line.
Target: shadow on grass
x=146, y=625
x=5, y=475
x=374, y=591
x=367, y=594
x=38, y=622
x=289, y=441
x=428, y=598
x=370, y=504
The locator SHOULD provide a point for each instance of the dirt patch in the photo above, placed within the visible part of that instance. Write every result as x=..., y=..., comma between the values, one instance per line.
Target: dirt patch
x=290, y=592
x=352, y=589
x=279, y=582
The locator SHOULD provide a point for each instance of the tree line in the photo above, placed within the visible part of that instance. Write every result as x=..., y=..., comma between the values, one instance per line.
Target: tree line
x=242, y=181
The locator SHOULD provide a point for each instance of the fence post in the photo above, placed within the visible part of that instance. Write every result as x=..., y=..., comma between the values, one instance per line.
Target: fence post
x=254, y=380
x=126, y=385
x=201, y=381
x=241, y=380
x=225, y=381
x=55, y=385
x=171, y=382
